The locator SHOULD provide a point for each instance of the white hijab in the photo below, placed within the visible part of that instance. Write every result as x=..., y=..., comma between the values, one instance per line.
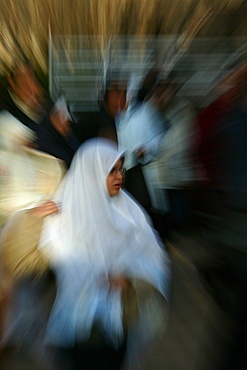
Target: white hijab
x=95, y=236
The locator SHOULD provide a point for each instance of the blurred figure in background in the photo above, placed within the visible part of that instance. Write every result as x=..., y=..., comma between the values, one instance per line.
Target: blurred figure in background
x=26, y=98
x=28, y=102
x=175, y=165
x=224, y=226
x=140, y=131
x=228, y=92
x=27, y=182
x=55, y=135
x=103, y=122
x=112, y=272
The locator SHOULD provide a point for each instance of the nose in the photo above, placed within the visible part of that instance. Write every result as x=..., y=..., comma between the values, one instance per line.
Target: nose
x=119, y=173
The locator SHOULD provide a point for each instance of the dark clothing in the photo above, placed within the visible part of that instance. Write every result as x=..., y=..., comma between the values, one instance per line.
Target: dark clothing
x=10, y=106
x=180, y=206
x=226, y=231
x=207, y=121
x=230, y=164
x=226, y=281
x=95, y=354
x=134, y=183
x=48, y=140
x=94, y=124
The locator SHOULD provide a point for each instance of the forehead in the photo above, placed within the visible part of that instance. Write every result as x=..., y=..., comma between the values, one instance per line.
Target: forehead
x=116, y=92
x=119, y=163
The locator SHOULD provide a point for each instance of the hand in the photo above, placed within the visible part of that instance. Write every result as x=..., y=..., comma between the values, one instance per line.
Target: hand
x=119, y=282
x=63, y=128
x=60, y=123
x=140, y=153
x=45, y=209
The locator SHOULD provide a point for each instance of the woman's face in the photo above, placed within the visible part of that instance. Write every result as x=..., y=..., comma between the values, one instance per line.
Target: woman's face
x=115, y=178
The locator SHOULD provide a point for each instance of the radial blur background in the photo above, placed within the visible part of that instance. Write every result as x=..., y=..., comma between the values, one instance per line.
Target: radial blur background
x=74, y=44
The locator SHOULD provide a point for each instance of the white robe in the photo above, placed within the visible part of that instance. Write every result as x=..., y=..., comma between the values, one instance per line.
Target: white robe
x=143, y=127
x=174, y=164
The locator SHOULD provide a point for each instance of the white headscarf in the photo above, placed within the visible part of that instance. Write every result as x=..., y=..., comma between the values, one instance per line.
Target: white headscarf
x=95, y=236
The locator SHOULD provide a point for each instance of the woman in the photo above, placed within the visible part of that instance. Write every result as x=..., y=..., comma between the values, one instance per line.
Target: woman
x=102, y=250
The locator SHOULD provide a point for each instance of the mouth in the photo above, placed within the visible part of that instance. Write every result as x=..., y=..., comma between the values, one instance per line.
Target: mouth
x=118, y=186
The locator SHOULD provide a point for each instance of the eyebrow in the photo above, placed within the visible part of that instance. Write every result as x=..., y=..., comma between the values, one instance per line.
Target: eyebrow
x=115, y=168
x=115, y=165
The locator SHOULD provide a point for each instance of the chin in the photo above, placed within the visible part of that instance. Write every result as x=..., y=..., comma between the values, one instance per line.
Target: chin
x=114, y=193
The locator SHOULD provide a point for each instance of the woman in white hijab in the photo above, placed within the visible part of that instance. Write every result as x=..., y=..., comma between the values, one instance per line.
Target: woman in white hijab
x=101, y=248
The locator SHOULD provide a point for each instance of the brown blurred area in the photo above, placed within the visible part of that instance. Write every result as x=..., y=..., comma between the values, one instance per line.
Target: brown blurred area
x=26, y=25
x=208, y=291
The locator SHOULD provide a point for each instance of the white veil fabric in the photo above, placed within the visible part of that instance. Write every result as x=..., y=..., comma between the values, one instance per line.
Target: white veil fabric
x=93, y=237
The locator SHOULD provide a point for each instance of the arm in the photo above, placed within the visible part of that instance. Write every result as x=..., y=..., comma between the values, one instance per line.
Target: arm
x=45, y=209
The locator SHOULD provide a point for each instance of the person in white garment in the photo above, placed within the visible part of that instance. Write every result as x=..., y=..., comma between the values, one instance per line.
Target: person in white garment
x=140, y=131
x=176, y=166
x=101, y=248
x=28, y=179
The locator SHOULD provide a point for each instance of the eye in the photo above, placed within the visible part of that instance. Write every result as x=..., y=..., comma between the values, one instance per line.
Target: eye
x=113, y=171
x=123, y=170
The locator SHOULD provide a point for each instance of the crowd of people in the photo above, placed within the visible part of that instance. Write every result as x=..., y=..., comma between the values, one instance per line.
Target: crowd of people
x=86, y=208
